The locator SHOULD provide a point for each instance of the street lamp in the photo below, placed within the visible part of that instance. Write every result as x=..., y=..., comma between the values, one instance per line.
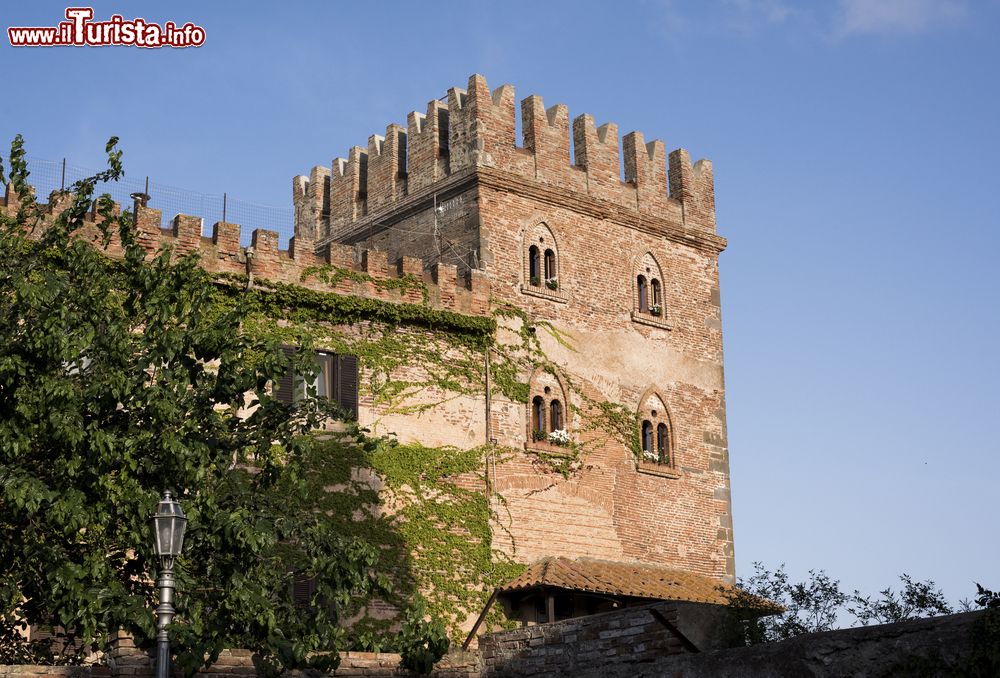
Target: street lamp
x=168, y=529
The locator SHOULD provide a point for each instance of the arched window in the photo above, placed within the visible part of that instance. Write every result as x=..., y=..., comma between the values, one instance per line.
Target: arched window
x=555, y=415
x=655, y=430
x=548, y=412
x=662, y=444
x=550, y=266
x=647, y=438
x=649, y=300
x=537, y=415
x=534, y=266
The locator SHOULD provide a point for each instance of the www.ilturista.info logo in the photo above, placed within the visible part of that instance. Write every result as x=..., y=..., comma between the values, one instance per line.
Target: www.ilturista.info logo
x=79, y=30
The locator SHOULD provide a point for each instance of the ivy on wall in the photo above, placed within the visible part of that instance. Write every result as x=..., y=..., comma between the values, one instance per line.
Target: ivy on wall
x=434, y=535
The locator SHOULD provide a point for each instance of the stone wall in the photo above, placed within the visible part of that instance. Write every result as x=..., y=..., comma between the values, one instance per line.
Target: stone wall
x=632, y=643
x=897, y=649
x=456, y=664
x=626, y=636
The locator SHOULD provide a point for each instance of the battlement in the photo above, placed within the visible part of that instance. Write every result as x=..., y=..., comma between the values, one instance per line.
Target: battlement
x=475, y=128
x=340, y=269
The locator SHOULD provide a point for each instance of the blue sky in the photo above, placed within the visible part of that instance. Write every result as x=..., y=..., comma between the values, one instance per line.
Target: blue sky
x=855, y=145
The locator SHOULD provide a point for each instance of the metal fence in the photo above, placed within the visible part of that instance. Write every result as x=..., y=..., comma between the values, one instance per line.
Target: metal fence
x=49, y=175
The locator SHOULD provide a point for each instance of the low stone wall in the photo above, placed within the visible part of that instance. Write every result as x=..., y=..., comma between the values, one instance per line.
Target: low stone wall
x=612, y=639
x=237, y=663
x=885, y=650
x=635, y=642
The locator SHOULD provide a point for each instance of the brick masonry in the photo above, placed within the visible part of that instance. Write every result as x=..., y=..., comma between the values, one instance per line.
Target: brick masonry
x=456, y=187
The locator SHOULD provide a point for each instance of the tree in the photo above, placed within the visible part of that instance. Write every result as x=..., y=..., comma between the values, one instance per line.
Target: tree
x=122, y=377
x=766, y=607
x=916, y=599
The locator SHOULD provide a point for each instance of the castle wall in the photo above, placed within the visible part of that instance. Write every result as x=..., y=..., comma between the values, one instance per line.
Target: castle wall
x=681, y=519
x=657, y=220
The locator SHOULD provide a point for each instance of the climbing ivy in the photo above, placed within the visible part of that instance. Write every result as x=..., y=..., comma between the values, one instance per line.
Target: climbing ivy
x=432, y=533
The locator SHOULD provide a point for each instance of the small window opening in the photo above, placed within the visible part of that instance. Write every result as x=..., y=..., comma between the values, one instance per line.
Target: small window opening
x=550, y=267
x=662, y=444
x=647, y=437
x=555, y=415
x=537, y=415
x=534, y=266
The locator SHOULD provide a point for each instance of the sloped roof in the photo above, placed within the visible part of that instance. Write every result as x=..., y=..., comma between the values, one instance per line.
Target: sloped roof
x=636, y=580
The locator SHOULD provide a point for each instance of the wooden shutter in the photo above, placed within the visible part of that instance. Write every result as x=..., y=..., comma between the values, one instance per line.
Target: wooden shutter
x=347, y=384
x=303, y=589
x=284, y=387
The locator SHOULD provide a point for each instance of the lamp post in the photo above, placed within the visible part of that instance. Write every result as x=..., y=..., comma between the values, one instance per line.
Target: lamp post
x=168, y=529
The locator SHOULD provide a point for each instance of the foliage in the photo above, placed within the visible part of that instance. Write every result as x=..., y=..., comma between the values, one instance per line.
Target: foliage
x=803, y=607
x=916, y=599
x=986, y=598
x=421, y=642
x=119, y=379
x=767, y=607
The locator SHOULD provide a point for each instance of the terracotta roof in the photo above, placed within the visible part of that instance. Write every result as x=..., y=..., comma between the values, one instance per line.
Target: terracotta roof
x=636, y=580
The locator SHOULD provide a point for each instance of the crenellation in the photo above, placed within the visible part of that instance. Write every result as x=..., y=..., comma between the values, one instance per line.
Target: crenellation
x=693, y=186
x=311, y=200
x=459, y=134
x=226, y=239
x=546, y=135
x=596, y=150
x=222, y=253
x=445, y=279
x=386, y=167
x=427, y=159
x=303, y=250
x=646, y=168
x=336, y=254
x=375, y=264
x=475, y=128
x=413, y=268
x=348, y=186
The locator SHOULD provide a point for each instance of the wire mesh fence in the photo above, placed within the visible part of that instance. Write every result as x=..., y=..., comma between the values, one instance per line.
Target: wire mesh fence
x=50, y=175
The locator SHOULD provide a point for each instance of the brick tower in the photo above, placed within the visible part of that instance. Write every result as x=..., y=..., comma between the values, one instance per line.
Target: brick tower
x=617, y=279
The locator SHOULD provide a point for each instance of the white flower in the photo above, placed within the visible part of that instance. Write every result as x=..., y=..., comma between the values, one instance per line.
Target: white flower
x=559, y=437
x=648, y=454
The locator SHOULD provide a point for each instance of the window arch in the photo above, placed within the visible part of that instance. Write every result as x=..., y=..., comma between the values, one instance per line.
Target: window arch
x=548, y=411
x=541, y=261
x=655, y=429
x=649, y=299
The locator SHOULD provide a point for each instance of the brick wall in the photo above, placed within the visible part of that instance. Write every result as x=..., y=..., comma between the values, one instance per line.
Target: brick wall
x=496, y=198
